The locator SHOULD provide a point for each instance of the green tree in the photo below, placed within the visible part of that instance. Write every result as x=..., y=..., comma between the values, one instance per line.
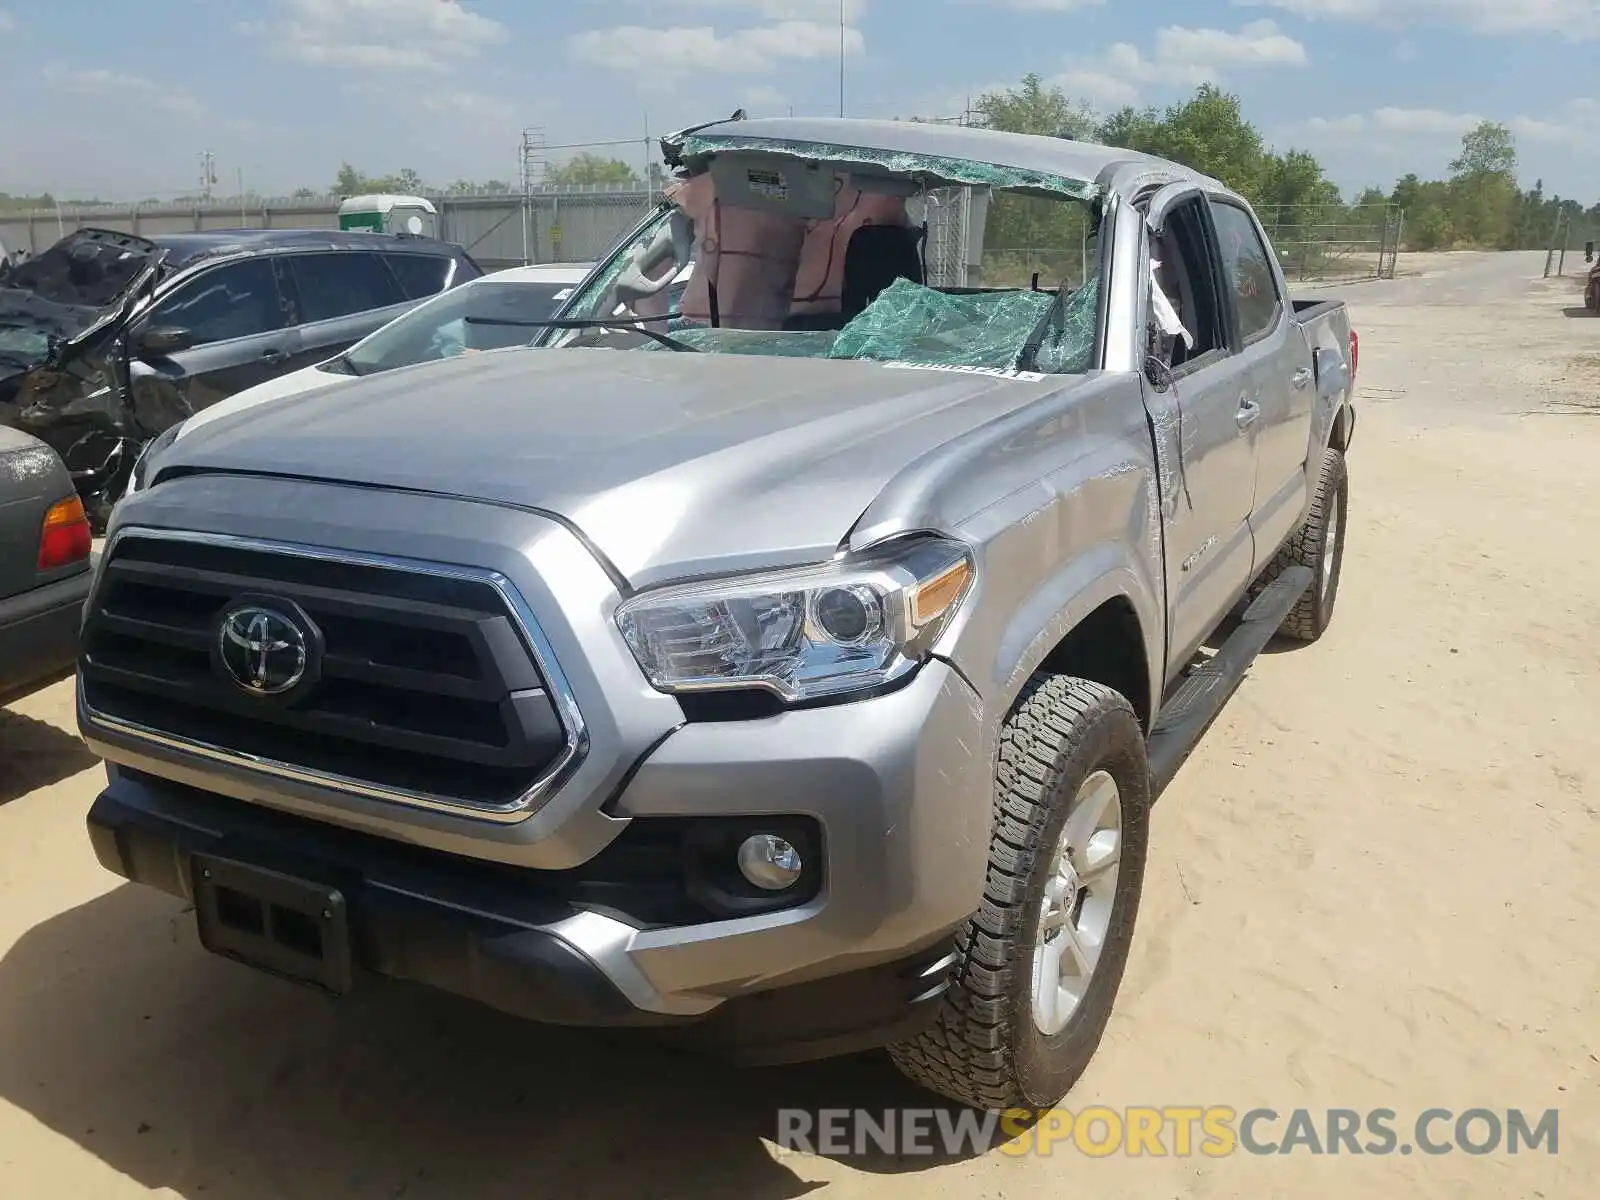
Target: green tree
x=1028, y=234
x=350, y=182
x=1208, y=132
x=1034, y=108
x=1487, y=149
x=1407, y=191
x=589, y=168
x=1132, y=129
x=1485, y=201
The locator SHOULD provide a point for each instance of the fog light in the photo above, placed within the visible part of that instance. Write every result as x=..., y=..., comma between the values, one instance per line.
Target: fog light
x=769, y=862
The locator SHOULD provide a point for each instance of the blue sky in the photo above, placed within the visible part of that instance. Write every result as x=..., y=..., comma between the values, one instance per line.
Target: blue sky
x=120, y=100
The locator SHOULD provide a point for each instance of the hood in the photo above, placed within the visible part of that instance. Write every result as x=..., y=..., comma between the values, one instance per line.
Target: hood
x=307, y=379
x=73, y=286
x=670, y=464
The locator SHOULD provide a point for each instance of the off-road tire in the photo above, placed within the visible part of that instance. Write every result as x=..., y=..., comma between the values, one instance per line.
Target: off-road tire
x=984, y=1049
x=1308, y=620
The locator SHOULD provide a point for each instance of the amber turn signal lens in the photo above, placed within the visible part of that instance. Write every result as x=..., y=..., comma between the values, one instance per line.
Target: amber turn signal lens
x=931, y=599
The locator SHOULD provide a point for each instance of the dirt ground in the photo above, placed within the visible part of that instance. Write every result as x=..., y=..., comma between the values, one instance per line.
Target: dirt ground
x=1374, y=886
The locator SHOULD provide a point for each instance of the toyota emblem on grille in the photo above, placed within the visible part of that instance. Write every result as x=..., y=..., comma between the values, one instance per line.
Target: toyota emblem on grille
x=263, y=650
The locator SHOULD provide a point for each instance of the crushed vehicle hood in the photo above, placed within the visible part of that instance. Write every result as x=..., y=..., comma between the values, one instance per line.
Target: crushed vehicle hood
x=670, y=464
x=69, y=288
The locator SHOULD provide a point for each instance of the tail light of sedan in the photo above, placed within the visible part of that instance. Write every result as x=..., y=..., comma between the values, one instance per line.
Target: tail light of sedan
x=65, y=538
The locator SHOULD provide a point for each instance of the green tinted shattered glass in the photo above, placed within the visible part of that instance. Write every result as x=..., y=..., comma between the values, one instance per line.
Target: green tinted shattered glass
x=912, y=323
x=1068, y=346
x=940, y=170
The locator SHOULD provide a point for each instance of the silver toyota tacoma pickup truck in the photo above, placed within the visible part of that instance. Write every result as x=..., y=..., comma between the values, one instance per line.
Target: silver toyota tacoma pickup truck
x=791, y=667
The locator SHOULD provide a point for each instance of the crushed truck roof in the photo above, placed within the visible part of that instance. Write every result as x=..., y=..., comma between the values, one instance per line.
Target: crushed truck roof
x=1052, y=164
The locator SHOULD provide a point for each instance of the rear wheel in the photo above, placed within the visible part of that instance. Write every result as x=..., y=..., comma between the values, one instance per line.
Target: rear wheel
x=1318, y=544
x=1041, y=960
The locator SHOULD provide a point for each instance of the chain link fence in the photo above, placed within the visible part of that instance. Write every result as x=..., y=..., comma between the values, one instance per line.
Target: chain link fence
x=1570, y=240
x=1025, y=238
x=575, y=223
x=1335, y=241
x=972, y=239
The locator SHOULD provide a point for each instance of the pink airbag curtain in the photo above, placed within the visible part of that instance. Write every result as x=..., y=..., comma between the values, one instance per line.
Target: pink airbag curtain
x=767, y=265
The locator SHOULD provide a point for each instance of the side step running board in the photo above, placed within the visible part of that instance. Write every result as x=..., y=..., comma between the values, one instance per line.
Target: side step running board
x=1184, y=719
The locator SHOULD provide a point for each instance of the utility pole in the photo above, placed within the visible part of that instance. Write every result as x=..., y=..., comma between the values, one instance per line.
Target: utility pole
x=208, y=173
x=532, y=153
x=841, y=57
x=649, y=188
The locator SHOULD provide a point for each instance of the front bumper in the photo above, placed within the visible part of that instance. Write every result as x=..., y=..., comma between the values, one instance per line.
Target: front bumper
x=39, y=635
x=899, y=787
x=446, y=923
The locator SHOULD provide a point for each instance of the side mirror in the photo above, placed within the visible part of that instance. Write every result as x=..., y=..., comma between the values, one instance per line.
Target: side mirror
x=158, y=341
x=1588, y=252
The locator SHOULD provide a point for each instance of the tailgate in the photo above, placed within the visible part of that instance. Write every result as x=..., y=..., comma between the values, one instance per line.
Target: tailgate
x=1326, y=324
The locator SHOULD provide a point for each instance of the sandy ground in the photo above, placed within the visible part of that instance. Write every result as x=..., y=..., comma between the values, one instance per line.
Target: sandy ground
x=1373, y=886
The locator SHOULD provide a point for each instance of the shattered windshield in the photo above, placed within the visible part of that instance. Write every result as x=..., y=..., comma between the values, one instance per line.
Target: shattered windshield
x=895, y=259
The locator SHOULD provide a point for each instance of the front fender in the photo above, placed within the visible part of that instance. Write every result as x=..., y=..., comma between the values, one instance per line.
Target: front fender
x=1060, y=503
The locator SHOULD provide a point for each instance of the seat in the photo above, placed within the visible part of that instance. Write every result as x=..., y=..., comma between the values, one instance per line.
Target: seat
x=876, y=256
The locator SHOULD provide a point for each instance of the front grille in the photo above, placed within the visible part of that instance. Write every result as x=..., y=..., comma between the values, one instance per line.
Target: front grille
x=426, y=685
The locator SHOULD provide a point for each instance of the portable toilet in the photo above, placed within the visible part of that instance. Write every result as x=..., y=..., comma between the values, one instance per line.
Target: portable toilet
x=390, y=214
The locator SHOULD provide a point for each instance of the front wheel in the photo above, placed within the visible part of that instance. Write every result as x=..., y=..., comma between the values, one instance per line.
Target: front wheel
x=1041, y=960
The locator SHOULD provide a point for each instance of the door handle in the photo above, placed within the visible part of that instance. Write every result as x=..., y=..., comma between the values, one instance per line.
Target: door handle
x=274, y=353
x=1248, y=412
x=1301, y=378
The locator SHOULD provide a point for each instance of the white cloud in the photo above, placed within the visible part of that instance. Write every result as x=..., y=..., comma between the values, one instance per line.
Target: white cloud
x=474, y=105
x=1381, y=128
x=1577, y=19
x=394, y=35
x=1260, y=43
x=762, y=100
x=1050, y=5
x=132, y=90
x=1183, y=56
x=634, y=48
x=821, y=11
x=7, y=21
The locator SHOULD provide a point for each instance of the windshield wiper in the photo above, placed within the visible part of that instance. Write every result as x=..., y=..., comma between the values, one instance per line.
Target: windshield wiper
x=343, y=364
x=1028, y=358
x=636, y=325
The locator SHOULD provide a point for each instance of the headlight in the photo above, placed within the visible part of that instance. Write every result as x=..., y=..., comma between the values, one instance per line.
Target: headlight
x=844, y=626
x=147, y=457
